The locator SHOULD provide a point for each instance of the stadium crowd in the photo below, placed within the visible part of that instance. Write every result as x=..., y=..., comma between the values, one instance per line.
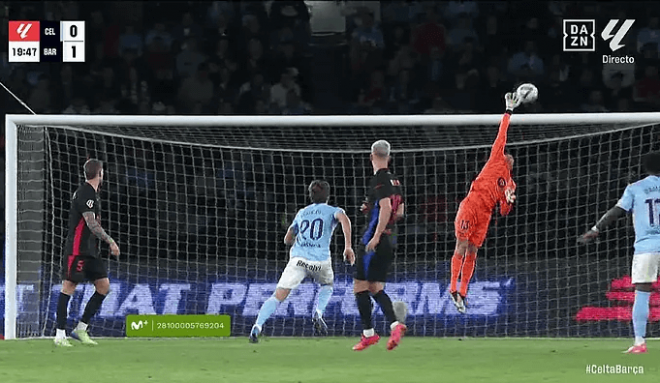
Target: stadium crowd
x=252, y=57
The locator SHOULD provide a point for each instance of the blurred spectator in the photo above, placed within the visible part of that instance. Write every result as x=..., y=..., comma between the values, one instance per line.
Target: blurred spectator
x=373, y=94
x=493, y=38
x=439, y=107
x=616, y=91
x=64, y=87
x=461, y=32
x=366, y=46
x=397, y=37
x=189, y=59
x=294, y=106
x=252, y=31
x=595, y=103
x=623, y=73
x=196, y=91
x=187, y=29
x=96, y=36
x=403, y=95
x=494, y=86
x=223, y=56
x=434, y=67
x=649, y=34
x=406, y=59
x=526, y=60
x=107, y=84
x=456, y=9
x=134, y=88
x=225, y=90
x=159, y=32
x=106, y=107
x=255, y=61
x=368, y=34
x=464, y=96
x=158, y=55
x=78, y=106
x=252, y=91
x=40, y=99
x=130, y=39
x=430, y=34
x=278, y=93
x=647, y=89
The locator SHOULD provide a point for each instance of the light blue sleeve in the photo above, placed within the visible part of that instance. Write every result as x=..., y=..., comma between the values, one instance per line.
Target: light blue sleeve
x=338, y=212
x=627, y=200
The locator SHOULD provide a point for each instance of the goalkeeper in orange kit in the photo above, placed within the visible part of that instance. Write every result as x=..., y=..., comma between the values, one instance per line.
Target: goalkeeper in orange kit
x=493, y=185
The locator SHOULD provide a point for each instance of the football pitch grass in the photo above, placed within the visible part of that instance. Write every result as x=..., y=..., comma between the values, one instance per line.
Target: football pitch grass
x=331, y=360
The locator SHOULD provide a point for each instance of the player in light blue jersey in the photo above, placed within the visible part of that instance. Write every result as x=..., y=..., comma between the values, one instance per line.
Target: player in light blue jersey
x=642, y=199
x=310, y=235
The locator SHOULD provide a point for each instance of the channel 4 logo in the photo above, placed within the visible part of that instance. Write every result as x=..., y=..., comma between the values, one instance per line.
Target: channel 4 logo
x=580, y=34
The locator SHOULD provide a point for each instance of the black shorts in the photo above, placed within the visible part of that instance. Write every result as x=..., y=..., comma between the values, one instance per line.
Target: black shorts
x=81, y=268
x=374, y=266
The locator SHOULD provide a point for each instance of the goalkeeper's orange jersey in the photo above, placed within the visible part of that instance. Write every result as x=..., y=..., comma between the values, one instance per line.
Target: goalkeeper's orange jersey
x=495, y=180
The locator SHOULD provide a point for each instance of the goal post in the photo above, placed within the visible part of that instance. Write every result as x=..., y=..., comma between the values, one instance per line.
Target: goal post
x=219, y=283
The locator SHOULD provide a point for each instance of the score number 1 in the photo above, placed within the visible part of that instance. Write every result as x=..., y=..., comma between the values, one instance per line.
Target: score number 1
x=73, y=41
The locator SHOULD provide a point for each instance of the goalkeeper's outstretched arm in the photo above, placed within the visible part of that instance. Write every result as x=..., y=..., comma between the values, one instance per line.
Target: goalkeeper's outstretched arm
x=606, y=220
x=511, y=101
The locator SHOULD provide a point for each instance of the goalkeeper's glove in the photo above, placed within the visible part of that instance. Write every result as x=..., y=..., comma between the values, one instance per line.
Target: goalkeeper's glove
x=588, y=236
x=510, y=196
x=511, y=101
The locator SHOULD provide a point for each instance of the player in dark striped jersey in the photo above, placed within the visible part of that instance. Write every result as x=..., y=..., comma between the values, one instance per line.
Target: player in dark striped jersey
x=384, y=206
x=81, y=254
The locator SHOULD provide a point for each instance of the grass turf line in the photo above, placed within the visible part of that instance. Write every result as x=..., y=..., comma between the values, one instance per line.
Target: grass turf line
x=321, y=360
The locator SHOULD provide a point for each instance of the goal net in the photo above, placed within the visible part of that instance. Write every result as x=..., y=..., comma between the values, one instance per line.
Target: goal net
x=199, y=207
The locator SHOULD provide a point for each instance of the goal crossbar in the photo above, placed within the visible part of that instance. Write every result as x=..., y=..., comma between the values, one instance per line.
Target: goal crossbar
x=377, y=120
x=11, y=150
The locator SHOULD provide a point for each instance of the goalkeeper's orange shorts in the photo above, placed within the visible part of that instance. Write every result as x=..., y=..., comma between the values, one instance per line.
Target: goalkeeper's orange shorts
x=471, y=223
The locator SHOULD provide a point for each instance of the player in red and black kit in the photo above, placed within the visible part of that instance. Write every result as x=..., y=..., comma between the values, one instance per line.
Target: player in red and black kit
x=81, y=254
x=384, y=206
x=493, y=185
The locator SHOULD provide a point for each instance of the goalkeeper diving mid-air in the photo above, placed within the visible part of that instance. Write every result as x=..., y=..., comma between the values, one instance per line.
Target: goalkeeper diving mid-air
x=492, y=186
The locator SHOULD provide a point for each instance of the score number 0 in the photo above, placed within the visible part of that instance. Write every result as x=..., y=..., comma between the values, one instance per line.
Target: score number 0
x=73, y=41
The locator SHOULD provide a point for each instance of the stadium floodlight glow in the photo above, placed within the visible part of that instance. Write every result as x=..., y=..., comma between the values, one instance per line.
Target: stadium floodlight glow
x=37, y=174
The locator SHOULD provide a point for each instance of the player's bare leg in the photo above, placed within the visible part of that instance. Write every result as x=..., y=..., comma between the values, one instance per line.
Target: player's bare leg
x=102, y=287
x=640, y=318
x=266, y=310
x=68, y=288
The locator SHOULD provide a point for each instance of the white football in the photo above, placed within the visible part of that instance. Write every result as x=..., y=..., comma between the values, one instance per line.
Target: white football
x=527, y=93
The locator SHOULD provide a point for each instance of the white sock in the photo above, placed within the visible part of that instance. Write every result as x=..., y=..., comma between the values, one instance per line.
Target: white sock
x=60, y=334
x=639, y=340
x=81, y=326
x=368, y=333
x=393, y=325
x=319, y=313
x=258, y=327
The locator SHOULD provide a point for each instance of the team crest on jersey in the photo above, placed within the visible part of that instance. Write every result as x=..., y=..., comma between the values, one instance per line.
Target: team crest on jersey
x=501, y=182
x=90, y=203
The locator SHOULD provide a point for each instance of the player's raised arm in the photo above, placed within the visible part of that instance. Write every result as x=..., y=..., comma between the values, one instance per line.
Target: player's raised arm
x=622, y=207
x=349, y=254
x=511, y=101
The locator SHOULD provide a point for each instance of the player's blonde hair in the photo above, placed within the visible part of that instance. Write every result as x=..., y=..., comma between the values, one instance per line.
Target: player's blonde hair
x=381, y=148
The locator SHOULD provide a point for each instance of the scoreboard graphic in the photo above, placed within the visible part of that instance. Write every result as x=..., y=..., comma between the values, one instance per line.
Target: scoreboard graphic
x=46, y=41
